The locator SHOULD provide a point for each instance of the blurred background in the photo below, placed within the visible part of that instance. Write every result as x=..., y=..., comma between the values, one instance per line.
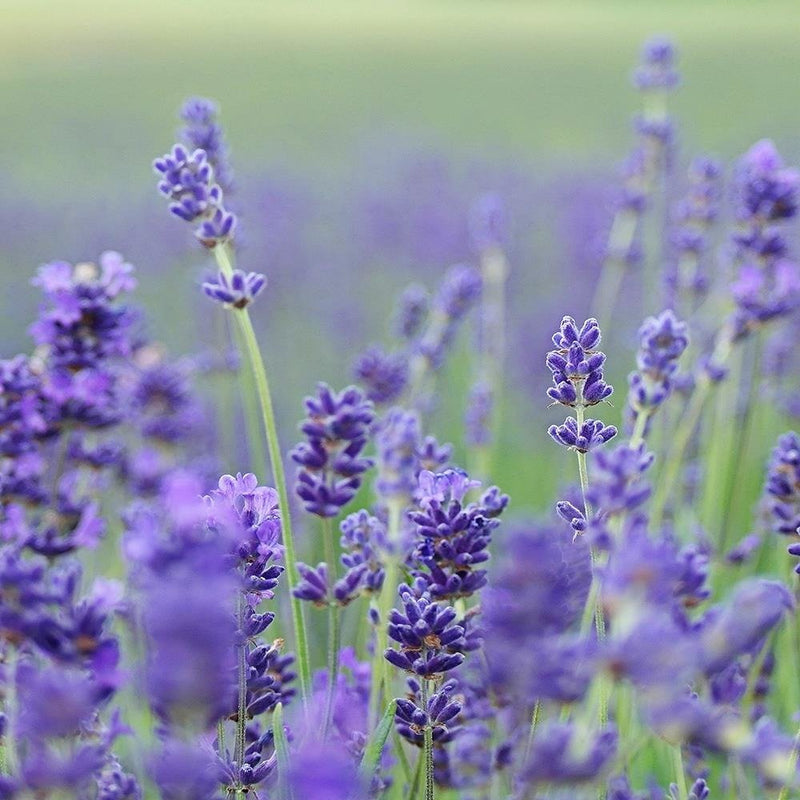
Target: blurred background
x=360, y=135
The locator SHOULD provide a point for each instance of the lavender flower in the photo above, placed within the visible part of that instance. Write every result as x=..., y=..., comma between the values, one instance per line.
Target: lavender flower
x=385, y=375
x=656, y=71
x=563, y=753
x=411, y=312
x=331, y=464
x=662, y=340
x=429, y=639
x=576, y=366
x=237, y=290
x=457, y=294
x=411, y=720
x=782, y=488
x=203, y=132
x=187, y=181
x=589, y=435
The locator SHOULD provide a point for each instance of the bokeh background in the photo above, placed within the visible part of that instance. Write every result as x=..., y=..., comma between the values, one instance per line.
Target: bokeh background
x=361, y=132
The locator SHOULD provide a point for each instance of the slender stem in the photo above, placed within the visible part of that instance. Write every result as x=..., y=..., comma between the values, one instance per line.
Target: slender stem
x=10, y=764
x=221, y=738
x=637, y=437
x=282, y=753
x=680, y=772
x=414, y=789
x=382, y=677
x=334, y=627
x=744, y=435
x=241, y=670
x=252, y=421
x=537, y=708
x=427, y=747
x=262, y=385
x=791, y=766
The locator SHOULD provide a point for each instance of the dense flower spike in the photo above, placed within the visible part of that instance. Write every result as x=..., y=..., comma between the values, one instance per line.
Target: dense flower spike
x=203, y=132
x=331, y=464
x=458, y=293
x=430, y=641
x=576, y=366
x=453, y=537
x=768, y=281
x=384, y=375
x=662, y=340
x=782, y=488
x=237, y=290
x=187, y=180
x=694, y=215
x=585, y=437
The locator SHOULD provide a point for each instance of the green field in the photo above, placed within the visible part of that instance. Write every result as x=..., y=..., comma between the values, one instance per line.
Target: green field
x=89, y=89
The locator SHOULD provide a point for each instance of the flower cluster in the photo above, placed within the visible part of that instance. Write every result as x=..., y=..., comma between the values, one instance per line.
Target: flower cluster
x=577, y=370
x=662, y=340
x=331, y=464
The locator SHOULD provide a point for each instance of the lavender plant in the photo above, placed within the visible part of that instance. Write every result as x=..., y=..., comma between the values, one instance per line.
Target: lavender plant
x=610, y=650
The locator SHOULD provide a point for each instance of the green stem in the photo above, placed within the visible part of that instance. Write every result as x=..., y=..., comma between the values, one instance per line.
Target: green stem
x=252, y=421
x=427, y=750
x=791, y=767
x=537, y=708
x=744, y=435
x=241, y=669
x=414, y=789
x=382, y=676
x=268, y=414
x=10, y=764
x=680, y=772
x=334, y=628
x=637, y=437
x=281, y=753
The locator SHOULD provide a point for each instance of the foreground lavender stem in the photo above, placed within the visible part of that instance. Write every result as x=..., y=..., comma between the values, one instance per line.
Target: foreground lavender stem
x=381, y=678
x=334, y=629
x=262, y=385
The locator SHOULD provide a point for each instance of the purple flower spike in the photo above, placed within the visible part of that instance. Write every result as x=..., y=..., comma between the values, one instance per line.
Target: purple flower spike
x=656, y=71
x=384, y=375
x=314, y=584
x=576, y=366
x=187, y=181
x=238, y=290
x=203, y=132
x=662, y=340
x=331, y=464
x=782, y=489
x=591, y=434
x=430, y=640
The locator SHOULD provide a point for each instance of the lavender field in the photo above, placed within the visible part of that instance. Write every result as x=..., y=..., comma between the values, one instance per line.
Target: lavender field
x=399, y=401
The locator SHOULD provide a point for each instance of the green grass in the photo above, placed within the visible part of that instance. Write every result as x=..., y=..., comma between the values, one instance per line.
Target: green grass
x=90, y=89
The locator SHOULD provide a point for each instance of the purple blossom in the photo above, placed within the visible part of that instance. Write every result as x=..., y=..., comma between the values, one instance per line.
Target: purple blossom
x=411, y=312
x=203, y=132
x=237, y=290
x=430, y=641
x=384, y=375
x=187, y=181
x=591, y=434
x=411, y=719
x=782, y=488
x=563, y=753
x=656, y=71
x=662, y=340
x=576, y=366
x=331, y=464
